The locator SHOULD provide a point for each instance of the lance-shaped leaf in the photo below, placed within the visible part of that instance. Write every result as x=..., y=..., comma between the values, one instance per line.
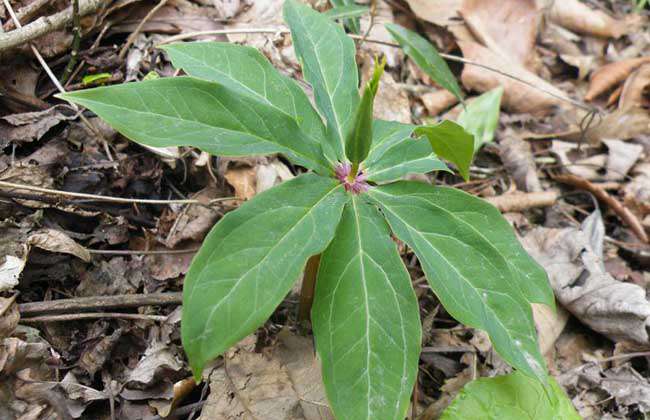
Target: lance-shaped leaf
x=250, y=260
x=394, y=153
x=450, y=141
x=184, y=111
x=426, y=57
x=465, y=254
x=349, y=11
x=360, y=138
x=327, y=56
x=511, y=397
x=366, y=319
x=481, y=116
x=246, y=71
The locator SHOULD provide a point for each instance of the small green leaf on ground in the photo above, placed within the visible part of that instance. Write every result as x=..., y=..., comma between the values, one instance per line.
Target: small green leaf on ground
x=511, y=397
x=481, y=116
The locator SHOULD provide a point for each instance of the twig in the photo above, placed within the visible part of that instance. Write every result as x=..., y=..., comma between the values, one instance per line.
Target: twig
x=450, y=57
x=97, y=302
x=135, y=33
x=108, y=198
x=44, y=25
x=94, y=315
x=26, y=13
x=623, y=213
x=76, y=41
x=136, y=252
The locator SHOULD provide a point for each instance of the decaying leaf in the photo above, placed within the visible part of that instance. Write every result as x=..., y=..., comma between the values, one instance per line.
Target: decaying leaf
x=573, y=260
x=29, y=126
x=442, y=13
x=621, y=157
x=611, y=75
x=575, y=15
x=636, y=91
x=518, y=159
x=56, y=241
x=636, y=194
x=284, y=383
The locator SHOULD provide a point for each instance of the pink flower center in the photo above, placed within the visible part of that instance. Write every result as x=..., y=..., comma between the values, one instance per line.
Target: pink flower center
x=356, y=184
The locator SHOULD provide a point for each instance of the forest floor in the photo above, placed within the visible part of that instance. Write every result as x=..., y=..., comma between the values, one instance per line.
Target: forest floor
x=569, y=166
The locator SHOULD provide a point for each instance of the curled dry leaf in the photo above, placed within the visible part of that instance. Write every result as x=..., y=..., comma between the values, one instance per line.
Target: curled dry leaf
x=55, y=241
x=506, y=27
x=160, y=363
x=438, y=101
x=517, y=157
x=576, y=16
x=611, y=75
x=636, y=91
x=573, y=260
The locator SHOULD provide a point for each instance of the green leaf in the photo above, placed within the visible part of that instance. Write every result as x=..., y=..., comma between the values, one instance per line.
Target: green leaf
x=92, y=79
x=352, y=22
x=424, y=54
x=246, y=71
x=450, y=141
x=409, y=156
x=481, y=116
x=359, y=140
x=482, y=278
x=183, y=111
x=327, y=56
x=347, y=12
x=366, y=319
x=510, y=397
x=250, y=260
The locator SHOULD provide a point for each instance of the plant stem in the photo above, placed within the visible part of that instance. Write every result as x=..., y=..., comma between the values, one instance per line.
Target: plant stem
x=76, y=42
x=307, y=291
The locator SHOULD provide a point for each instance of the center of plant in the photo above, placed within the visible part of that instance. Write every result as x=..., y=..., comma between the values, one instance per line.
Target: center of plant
x=352, y=182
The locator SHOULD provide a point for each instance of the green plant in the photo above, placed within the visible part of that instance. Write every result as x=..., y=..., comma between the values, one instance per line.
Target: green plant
x=365, y=314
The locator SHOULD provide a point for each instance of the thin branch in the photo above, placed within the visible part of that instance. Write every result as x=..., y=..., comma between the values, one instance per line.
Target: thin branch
x=76, y=42
x=99, y=302
x=93, y=315
x=108, y=198
x=143, y=252
x=450, y=57
x=135, y=33
x=43, y=25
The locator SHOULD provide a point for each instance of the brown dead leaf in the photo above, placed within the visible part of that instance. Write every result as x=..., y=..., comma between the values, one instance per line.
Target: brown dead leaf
x=517, y=157
x=194, y=222
x=506, y=27
x=576, y=16
x=573, y=260
x=243, y=182
x=283, y=383
x=620, y=159
x=636, y=90
x=441, y=12
x=26, y=174
x=636, y=194
x=517, y=97
x=611, y=75
x=392, y=102
x=28, y=126
x=549, y=325
x=9, y=316
x=161, y=362
x=438, y=101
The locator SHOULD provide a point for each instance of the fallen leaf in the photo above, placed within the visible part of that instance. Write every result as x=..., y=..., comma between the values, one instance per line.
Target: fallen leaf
x=636, y=90
x=620, y=158
x=194, y=222
x=29, y=126
x=9, y=316
x=56, y=241
x=506, y=27
x=440, y=12
x=517, y=156
x=579, y=162
x=549, y=325
x=611, y=75
x=438, y=101
x=636, y=193
x=242, y=180
x=10, y=270
x=282, y=383
x=160, y=362
x=573, y=260
x=578, y=17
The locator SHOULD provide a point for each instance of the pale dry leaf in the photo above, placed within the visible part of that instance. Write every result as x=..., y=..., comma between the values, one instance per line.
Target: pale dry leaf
x=621, y=157
x=440, y=12
x=242, y=180
x=56, y=241
x=636, y=193
x=9, y=316
x=573, y=260
x=576, y=16
x=517, y=157
x=27, y=174
x=10, y=270
x=636, y=90
x=549, y=325
x=160, y=363
x=194, y=222
x=507, y=27
x=611, y=75
x=517, y=97
x=582, y=165
x=378, y=31
x=391, y=102
x=283, y=383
